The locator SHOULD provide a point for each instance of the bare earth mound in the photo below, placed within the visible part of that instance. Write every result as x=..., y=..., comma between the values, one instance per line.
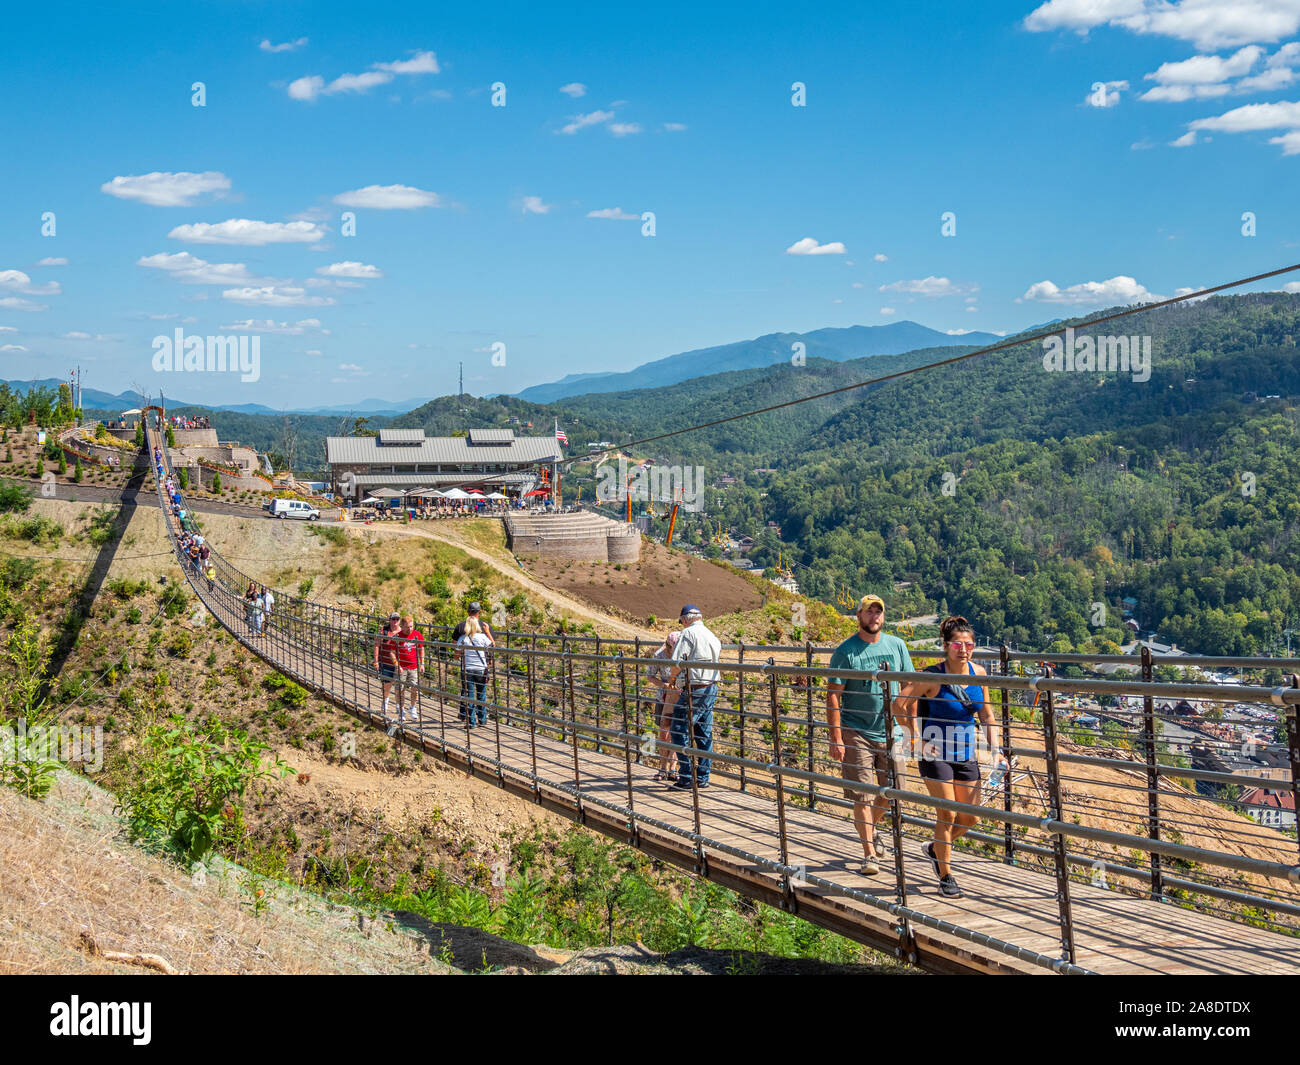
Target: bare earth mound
x=659, y=584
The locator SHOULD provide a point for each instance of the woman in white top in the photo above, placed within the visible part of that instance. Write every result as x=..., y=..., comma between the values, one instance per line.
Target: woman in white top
x=473, y=658
x=662, y=678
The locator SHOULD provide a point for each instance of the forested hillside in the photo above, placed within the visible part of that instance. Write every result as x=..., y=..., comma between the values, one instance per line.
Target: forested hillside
x=1022, y=497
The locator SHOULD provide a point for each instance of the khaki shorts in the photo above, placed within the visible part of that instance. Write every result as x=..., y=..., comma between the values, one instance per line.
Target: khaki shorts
x=861, y=753
x=407, y=676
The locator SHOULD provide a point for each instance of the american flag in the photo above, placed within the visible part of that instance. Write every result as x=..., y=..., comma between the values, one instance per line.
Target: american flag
x=561, y=436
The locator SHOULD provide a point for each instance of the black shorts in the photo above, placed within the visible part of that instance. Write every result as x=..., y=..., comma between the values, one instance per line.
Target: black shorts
x=967, y=772
x=388, y=670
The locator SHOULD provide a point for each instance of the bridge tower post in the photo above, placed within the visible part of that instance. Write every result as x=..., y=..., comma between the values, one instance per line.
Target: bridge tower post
x=1058, y=840
x=906, y=949
x=788, y=902
x=1153, y=775
x=1008, y=836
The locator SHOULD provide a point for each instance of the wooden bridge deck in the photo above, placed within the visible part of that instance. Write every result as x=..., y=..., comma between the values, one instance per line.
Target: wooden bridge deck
x=1114, y=932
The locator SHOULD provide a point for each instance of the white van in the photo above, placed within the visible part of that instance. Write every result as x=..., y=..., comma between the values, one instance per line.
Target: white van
x=293, y=508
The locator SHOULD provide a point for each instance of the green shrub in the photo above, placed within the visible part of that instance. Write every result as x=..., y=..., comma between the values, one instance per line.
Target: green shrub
x=181, y=645
x=189, y=783
x=63, y=463
x=14, y=498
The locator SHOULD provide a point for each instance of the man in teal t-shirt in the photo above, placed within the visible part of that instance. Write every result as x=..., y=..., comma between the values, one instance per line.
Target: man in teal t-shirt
x=857, y=730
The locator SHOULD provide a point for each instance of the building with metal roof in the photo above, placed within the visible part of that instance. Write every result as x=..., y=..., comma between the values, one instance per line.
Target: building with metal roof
x=405, y=458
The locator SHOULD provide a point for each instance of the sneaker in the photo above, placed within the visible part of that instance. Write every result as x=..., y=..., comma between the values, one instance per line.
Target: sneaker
x=948, y=886
x=868, y=867
x=928, y=851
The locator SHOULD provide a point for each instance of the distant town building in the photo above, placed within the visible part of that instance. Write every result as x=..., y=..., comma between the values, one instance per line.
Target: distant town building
x=1273, y=809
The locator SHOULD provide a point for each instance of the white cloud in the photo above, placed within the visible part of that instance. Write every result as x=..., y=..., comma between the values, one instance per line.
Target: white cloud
x=17, y=281
x=931, y=287
x=53, y=262
x=574, y=89
x=389, y=198
x=191, y=270
x=1185, y=141
x=1205, y=76
x=809, y=246
x=534, y=205
x=1117, y=290
x=288, y=46
x=307, y=88
x=1190, y=289
x=1252, y=117
x=270, y=325
x=956, y=332
x=420, y=63
x=7, y=329
x=888, y=310
x=972, y=310
x=14, y=303
x=353, y=368
x=880, y=257
x=1110, y=94
x=351, y=269
x=857, y=284
x=78, y=335
x=592, y=118
x=12, y=347
x=312, y=351
x=1289, y=142
x=248, y=231
x=1208, y=24
x=312, y=86
x=615, y=213
x=623, y=129
x=164, y=189
x=674, y=127
x=276, y=296
x=1290, y=286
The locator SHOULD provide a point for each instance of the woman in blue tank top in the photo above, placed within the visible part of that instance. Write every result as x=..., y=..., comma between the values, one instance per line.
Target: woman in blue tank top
x=945, y=737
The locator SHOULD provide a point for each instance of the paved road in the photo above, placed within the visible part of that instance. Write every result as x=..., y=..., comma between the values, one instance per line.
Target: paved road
x=83, y=493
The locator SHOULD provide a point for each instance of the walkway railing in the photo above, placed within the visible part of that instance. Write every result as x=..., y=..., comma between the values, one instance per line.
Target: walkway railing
x=1127, y=799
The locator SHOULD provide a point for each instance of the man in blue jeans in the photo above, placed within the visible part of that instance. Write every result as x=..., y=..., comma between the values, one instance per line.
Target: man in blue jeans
x=699, y=686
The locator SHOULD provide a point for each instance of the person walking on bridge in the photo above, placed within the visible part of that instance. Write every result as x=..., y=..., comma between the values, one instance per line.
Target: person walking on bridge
x=856, y=720
x=947, y=760
x=693, y=715
x=386, y=655
x=661, y=676
x=410, y=659
x=474, y=666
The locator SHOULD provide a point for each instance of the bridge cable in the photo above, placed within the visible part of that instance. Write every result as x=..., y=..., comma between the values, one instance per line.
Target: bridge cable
x=1016, y=341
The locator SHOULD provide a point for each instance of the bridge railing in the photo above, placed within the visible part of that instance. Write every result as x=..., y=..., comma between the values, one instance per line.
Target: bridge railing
x=1111, y=797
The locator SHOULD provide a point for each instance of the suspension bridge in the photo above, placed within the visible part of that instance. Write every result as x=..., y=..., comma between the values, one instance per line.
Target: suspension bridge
x=1079, y=864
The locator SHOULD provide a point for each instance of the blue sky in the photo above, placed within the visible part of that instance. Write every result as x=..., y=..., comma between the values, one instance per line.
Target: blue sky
x=474, y=223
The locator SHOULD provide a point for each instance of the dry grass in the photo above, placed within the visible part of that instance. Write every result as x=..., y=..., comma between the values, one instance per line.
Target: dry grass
x=65, y=869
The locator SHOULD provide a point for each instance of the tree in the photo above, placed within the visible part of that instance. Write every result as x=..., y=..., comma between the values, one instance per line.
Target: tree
x=171, y=437
x=76, y=474
x=185, y=478
x=139, y=433
x=63, y=464
x=216, y=482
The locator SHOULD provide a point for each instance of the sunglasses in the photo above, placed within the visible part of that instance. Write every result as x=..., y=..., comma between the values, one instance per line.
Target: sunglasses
x=961, y=645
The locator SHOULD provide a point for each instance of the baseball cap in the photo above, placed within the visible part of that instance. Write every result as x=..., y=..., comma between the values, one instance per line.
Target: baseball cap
x=690, y=610
x=673, y=637
x=394, y=614
x=474, y=608
x=867, y=600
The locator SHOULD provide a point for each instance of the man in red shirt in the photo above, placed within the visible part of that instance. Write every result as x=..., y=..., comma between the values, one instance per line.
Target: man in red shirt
x=410, y=659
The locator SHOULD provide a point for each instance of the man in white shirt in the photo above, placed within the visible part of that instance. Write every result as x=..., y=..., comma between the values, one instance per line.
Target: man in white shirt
x=268, y=605
x=699, y=692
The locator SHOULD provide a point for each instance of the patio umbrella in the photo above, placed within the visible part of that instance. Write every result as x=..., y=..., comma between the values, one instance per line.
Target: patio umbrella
x=455, y=493
x=498, y=495
x=387, y=493
x=417, y=492
x=537, y=492
x=477, y=495
x=132, y=411
x=370, y=501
